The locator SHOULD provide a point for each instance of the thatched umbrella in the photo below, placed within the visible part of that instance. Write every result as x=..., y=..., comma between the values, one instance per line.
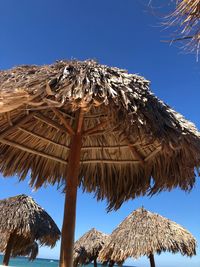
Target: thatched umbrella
x=82, y=123
x=24, y=249
x=86, y=248
x=23, y=221
x=186, y=17
x=145, y=233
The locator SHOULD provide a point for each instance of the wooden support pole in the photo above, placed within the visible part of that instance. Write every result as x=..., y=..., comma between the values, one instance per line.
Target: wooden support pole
x=68, y=228
x=95, y=262
x=152, y=261
x=111, y=263
x=8, y=250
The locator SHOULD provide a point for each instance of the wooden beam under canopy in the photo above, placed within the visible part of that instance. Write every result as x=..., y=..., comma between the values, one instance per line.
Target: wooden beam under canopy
x=136, y=154
x=95, y=128
x=36, y=135
x=153, y=154
x=64, y=121
x=50, y=122
x=32, y=151
x=105, y=147
x=16, y=125
x=94, y=161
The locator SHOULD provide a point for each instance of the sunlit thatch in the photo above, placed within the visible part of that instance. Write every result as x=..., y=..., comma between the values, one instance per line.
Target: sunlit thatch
x=145, y=233
x=186, y=18
x=86, y=248
x=132, y=142
x=23, y=217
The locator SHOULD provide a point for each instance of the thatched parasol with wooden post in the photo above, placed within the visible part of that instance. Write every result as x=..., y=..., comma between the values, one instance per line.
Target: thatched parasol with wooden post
x=23, y=221
x=186, y=18
x=145, y=233
x=20, y=247
x=87, y=247
x=86, y=124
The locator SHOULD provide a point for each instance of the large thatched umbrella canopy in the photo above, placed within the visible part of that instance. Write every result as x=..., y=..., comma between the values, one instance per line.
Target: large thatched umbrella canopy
x=96, y=126
x=87, y=247
x=23, y=221
x=20, y=247
x=145, y=233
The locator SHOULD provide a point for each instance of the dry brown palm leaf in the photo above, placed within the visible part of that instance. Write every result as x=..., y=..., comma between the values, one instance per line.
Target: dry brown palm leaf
x=145, y=233
x=86, y=248
x=186, y=18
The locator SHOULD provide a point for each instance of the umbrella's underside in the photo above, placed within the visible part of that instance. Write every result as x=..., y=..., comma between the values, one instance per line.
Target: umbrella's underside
x=132, y=143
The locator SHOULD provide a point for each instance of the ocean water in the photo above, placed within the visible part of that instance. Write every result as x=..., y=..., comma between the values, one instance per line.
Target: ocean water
x=24, y=262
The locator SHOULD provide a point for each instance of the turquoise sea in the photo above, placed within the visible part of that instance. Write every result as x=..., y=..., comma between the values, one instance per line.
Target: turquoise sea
x=24, y=262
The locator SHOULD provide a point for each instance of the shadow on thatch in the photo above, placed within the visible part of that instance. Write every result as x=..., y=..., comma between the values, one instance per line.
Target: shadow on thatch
x=145, y=233
x=86, y=248
x=22, y=221
x=20, y=247
x=31, y=251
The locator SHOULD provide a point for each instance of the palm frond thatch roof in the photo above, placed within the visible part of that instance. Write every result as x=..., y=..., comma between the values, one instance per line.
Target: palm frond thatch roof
x=131, y=139
x=27, y=221
x=145, y=233
x=21, y=246
x=87, y=247
x=186, y=17
x=31, y=251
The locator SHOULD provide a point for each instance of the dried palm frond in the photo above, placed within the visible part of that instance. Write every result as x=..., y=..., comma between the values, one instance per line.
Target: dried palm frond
x=86, y=248
x=145, y=233
x=186, y=18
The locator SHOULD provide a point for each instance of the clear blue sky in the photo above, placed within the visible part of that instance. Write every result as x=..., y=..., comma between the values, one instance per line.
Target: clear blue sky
x=121, y=33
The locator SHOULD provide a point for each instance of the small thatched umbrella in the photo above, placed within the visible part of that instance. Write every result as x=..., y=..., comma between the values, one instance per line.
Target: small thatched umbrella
x=23, y=221
x=86, y=248
x=145, y=233
x=88, y=124
x=22, y=249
